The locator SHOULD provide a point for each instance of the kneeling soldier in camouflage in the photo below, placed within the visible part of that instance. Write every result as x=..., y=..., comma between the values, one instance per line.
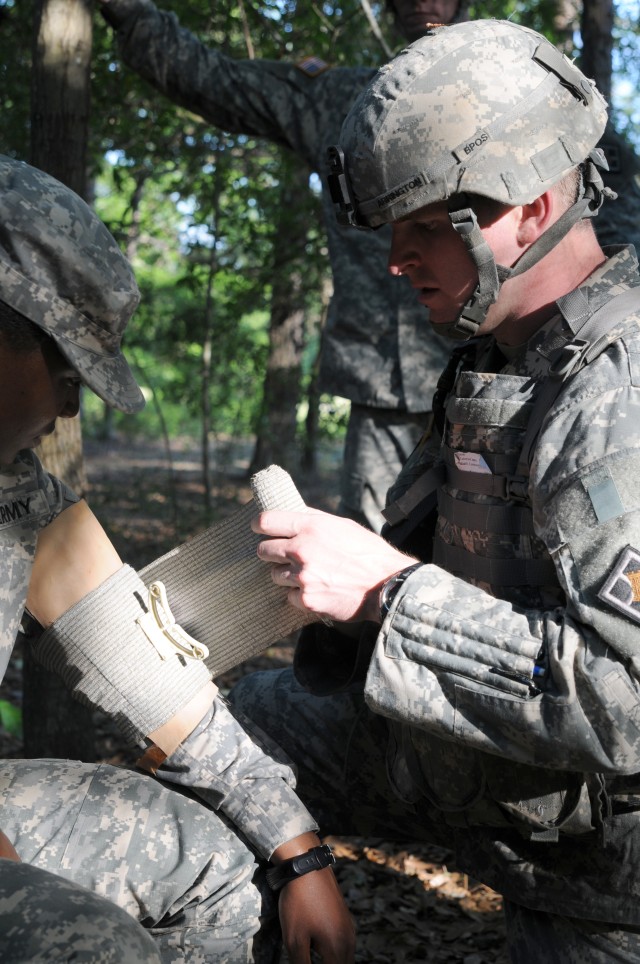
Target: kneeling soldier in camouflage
x=491, y=702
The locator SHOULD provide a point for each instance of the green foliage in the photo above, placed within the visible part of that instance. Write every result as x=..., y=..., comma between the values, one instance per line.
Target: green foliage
x=15, y=67
x=197, y=210
x=11, y=718
x=626, y=62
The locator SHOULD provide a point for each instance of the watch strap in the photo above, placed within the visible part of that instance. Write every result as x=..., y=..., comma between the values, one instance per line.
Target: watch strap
x=315, y=859
x=390, y=589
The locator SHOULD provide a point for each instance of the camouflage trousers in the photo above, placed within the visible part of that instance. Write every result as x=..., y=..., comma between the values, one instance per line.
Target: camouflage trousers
x=378, y=443
x=106, y=850
x=339, y=747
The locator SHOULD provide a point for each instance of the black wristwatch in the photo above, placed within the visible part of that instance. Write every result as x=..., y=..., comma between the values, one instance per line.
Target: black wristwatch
x=315, y=859
x=390, y=589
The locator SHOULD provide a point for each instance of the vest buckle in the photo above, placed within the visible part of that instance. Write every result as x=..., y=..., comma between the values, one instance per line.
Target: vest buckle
x=516, y=489
x=569, y=359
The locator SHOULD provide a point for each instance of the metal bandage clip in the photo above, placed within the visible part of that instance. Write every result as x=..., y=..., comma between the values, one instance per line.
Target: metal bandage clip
x=163, y=631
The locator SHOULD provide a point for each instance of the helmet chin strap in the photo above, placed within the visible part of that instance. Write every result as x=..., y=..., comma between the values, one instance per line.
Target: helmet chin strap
x=491, y=276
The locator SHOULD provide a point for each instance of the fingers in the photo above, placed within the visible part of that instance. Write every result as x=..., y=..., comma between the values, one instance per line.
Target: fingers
x=286, y=575
x=276, y=551
x=281, y=528
x=276, y=523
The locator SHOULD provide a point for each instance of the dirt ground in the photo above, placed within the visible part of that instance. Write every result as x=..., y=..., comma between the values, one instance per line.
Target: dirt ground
x=409, y=902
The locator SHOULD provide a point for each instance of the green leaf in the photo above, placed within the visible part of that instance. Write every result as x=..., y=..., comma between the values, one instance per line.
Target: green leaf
x=10, y=718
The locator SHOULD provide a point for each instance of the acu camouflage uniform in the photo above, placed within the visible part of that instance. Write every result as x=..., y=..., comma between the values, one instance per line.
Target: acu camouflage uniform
x=167, y=858
x=192, y=876
x=620, y=223
x=374, y=349
x=533, y=780
x=496, y=710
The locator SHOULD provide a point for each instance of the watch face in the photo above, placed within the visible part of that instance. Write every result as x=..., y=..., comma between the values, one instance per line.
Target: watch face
x=391, y=587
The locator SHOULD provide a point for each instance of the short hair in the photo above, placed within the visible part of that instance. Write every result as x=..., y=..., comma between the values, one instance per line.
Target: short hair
x=486, y=209
x=568, y=189
x=18, y=332
x=570, y=185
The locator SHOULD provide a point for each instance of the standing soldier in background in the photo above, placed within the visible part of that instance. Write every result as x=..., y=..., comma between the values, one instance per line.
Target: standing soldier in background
x=375, y=351
x=620, y=223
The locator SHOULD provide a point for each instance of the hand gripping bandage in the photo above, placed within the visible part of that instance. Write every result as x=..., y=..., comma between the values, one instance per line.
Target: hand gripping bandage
x=140, y=647
x=218, y=589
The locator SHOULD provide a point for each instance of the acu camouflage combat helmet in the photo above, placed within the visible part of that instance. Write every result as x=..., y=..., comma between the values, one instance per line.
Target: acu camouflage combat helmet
x=487, y=108
x=61, y=268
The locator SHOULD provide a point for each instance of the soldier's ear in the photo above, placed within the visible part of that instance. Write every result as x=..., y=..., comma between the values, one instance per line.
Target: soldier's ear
x=536, y=217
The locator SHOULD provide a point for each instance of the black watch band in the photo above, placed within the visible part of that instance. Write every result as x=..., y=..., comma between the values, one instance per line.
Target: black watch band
x=390, y=589
x=315, y=859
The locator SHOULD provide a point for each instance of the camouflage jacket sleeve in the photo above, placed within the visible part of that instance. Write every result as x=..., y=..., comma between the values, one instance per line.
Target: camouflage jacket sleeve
x=242, y=773
x=264, y=98
x=462, y=664
x=29, y=500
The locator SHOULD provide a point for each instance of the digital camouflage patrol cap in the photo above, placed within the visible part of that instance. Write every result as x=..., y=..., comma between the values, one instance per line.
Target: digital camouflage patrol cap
x=487, y=108
x=61, y=268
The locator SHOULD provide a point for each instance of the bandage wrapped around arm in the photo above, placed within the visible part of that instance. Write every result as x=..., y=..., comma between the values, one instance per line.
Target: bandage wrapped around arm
x=119, y=650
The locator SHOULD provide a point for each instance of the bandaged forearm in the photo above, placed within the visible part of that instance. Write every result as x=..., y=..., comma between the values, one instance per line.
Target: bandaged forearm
x=241, y=772
x=119, y=651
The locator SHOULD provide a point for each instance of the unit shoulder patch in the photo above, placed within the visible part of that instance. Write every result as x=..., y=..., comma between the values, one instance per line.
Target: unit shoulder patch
x=312, y=66
x=622, y=587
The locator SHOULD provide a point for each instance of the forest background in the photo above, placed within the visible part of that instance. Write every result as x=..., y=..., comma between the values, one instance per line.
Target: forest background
x=226, y=239
x=225, y=232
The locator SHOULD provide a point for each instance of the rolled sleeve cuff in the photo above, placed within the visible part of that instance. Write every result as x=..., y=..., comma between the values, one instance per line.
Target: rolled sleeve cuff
x=441, y=629
x=253, y=785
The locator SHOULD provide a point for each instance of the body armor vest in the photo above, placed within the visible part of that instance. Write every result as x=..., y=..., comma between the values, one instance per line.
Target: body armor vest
x=475, y=486
x=466, y=490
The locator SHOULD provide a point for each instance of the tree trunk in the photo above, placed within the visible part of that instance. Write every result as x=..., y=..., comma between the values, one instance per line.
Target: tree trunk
x=61, y=454
x=208, y=337
x=565, y=22
x=276, y=441
x=54, y=724
x=312, y=421
x=597, y=43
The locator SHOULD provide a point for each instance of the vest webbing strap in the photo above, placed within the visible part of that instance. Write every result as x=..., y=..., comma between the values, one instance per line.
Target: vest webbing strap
x=507, y=519
x=420, y=491
x=416, y=502
x=499, y=486
x=496, y=572
x=586, y=340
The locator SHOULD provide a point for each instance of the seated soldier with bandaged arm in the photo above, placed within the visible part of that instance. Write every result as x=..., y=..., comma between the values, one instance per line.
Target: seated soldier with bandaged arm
x=100, y=863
